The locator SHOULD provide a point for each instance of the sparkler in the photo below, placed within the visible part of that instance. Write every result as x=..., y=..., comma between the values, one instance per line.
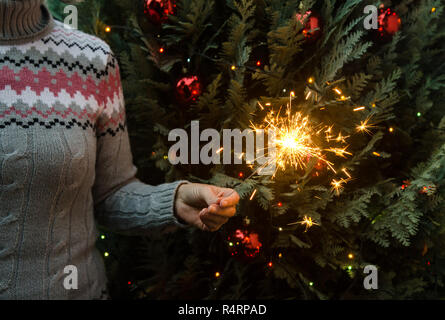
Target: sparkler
x=296, y=140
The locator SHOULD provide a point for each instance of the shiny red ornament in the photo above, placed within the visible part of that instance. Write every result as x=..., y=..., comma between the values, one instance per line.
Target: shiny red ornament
x=188, y=89
x=312, y=25
x=157, y=11
x=389, y=23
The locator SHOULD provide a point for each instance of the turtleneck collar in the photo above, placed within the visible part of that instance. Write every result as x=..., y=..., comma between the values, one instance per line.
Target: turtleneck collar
x=23, y=21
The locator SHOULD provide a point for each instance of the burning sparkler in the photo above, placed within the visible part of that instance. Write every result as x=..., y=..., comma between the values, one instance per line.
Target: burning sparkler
x=296, y=140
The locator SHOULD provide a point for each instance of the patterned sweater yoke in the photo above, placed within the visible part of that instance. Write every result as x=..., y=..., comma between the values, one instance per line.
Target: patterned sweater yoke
x=65, y=161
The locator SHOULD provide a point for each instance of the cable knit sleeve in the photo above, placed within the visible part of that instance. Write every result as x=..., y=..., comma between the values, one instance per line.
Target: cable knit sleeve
x=123, y=203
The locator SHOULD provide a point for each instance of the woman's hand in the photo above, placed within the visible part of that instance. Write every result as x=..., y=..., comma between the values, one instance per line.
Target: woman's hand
x=205, y=206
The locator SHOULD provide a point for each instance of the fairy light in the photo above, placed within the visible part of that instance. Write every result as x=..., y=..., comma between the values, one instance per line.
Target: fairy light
x=107, y=29
x=311, y=284
x=217, y=274
x=161, y=50
x=258, y=63
x=233, y=67
x=280, y=229
x=359, y=108
x=280, y=255
x=433, y=10
x=106, y=254
x=270, y=264
x=102, y=237
x=376, y=154
x=279, y=204
x=310, y=80
x=391, y=129
x=351, y=256
x=419, y=114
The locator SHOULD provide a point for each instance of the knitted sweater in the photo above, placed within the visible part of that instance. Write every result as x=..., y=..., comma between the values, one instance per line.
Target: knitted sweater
x=65, y=158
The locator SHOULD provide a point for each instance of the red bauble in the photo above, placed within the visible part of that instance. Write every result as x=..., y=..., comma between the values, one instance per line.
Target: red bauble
x=389, y=23
x=157, y=11
x=188, y=89
x=312, y=25
x=244, y=242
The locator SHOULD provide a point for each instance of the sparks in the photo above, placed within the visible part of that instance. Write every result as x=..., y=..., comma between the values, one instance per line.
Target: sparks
x=341, y=138
x=307, y=221
x=338, y=186
x=297, y=142
x=253, y=194
x=219, y=150
x=340, y=152
x=346, y=173
x=293, y=139
x=364, y=126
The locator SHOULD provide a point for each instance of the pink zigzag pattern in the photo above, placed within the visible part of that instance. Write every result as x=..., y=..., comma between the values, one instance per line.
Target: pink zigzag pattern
x=106, y=88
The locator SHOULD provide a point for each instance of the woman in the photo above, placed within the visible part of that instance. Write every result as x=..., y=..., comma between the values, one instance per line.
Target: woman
x=65, y=161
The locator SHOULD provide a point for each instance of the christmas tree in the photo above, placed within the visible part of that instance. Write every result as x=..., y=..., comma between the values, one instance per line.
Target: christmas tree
x=360, y=146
